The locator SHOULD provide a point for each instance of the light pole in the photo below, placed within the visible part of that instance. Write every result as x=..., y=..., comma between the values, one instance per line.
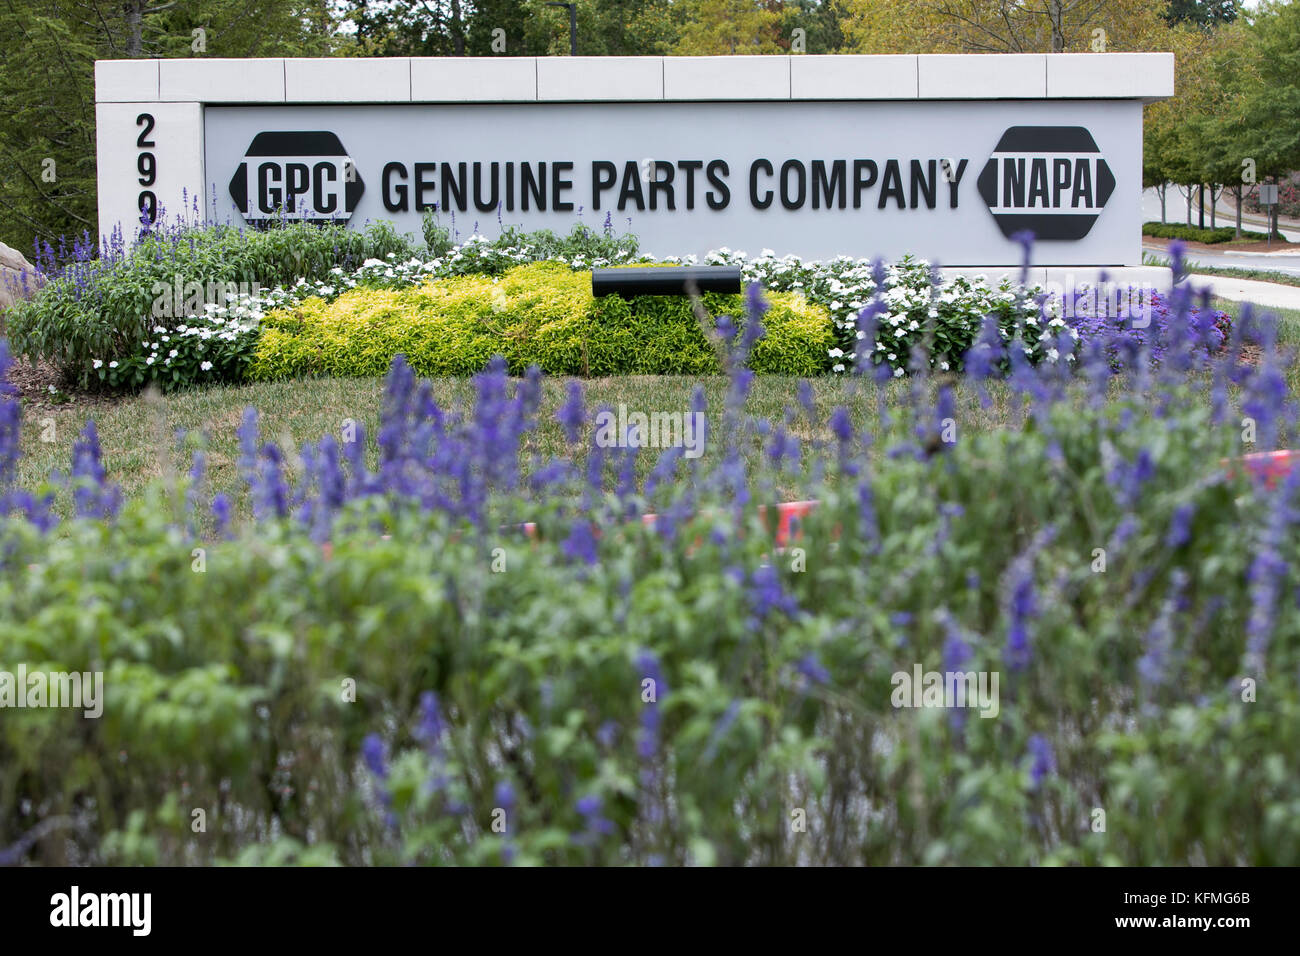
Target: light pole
x=573, y=25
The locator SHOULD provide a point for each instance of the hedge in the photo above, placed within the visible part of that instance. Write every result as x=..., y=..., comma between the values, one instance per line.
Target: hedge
x=538, y=314
x=1169, y=230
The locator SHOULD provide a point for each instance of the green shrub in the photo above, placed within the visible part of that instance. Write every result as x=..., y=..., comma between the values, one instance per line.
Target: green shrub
x=105, y=309
x=1169, y=230
x=539, y=314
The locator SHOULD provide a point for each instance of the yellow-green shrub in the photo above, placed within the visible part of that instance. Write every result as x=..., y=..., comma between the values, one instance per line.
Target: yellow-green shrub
x=542, y=313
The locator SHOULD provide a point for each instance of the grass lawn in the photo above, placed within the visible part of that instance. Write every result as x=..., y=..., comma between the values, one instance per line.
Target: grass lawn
x=140, y=436
x=143, y=436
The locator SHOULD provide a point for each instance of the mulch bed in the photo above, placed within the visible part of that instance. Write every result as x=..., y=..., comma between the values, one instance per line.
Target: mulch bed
x=34, y=381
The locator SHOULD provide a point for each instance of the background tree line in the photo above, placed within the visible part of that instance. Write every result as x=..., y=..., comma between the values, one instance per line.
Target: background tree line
x=1238, y=93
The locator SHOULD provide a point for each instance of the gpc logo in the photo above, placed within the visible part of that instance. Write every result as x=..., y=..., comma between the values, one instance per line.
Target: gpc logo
x=296, y=175
x=1051, y=180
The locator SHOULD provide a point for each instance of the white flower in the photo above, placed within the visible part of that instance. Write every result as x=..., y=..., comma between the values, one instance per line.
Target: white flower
x=112, y=365
x=172, y=354
x=944, y=366
x=898, y=373
x=834, y=353
x=203, y=367
x=99, y=363
x=150, y=360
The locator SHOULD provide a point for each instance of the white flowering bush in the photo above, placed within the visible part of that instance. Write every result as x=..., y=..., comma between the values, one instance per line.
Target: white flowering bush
x=940, y=319
x=203, y=349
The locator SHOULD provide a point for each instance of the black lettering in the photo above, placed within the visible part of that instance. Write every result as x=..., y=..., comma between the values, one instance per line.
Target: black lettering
x=689, y=166
x=320, y=172
x=891, y=184
x=603, y=176
x=753, y=184
x=1060, y=179
x=859, y=167
x=510, y=187
x=924, y=181
x=395, y=197
x=454, y=185
x=631, y=187
x=422, y=185
x=297, y=178
x=833, y=189
x=787, y=200
x=1082, y=183
x=1013, y=182
x=666, y=185
x=1038, y=180
x=559, y=185
x=715, y=171
x=268, y=199
x=532, y=185
x=489, y=204
x=955, y=181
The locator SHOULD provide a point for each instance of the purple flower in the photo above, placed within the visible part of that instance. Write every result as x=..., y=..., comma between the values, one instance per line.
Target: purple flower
x=572, y=414
x=580, y=545
x=10, y=426
x=648, y=666
x=375, y=755
x=804, y=392
x=221, y=514
x=431, y=724
x=766, y=594
x=505, y=796
x=1180, y=526
x=1022, y=606
x=594, y=824
x=811, y=668
x=94, y=496
x=1042, y=760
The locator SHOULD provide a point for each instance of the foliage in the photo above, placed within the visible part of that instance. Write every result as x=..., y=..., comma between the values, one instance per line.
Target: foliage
x=994, y=26
x=47, y=103
x=104, y=304
x=1162, y=230
x=618, y=690
x=540, y=314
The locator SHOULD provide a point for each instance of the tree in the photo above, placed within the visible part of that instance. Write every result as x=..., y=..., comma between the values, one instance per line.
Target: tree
x=1270, y=104
x=721, y=27
x=1204, y=13
x=47, y=110
x=411, y=28
x=1001, y=26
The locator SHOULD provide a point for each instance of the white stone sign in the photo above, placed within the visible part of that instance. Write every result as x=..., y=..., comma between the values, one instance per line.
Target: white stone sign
x=944, y=157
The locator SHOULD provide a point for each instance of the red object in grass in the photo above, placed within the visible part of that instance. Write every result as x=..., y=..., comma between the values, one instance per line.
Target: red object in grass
x=1271, y=466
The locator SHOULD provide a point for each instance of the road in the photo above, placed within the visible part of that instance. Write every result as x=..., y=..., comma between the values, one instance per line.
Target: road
x=1290, y=263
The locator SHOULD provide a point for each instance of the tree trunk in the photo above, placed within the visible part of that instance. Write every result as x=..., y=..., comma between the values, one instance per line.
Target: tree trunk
x=457, y=29
x=1055, y=15
x=1236, y=191
x=1164, y=191
x=134, y=10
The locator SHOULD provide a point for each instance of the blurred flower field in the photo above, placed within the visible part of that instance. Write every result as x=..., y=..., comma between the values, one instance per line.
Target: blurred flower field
x=357, y=654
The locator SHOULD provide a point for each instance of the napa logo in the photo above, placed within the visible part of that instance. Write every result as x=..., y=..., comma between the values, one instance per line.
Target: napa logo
x=296, y=175
x=1051, y=180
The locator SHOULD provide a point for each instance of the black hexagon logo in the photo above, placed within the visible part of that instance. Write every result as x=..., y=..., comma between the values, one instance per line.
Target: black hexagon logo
x=1051, y=180
x=296, y=175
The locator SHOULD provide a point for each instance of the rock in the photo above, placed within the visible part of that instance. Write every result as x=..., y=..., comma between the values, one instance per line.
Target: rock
x=12, y=268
